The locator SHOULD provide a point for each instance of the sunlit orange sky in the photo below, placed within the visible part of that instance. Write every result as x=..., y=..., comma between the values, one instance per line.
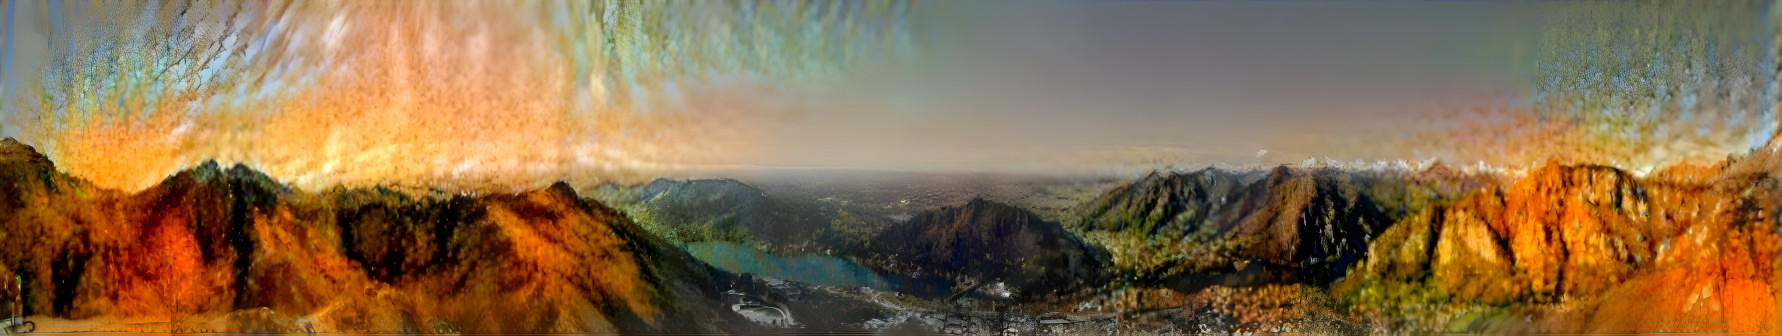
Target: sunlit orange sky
x=507, y=95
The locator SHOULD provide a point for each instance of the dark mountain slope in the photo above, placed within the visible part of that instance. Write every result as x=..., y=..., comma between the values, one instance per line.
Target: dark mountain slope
x=1314, y=221
x=706, y=210
x=983, y=241
x=1164, y=202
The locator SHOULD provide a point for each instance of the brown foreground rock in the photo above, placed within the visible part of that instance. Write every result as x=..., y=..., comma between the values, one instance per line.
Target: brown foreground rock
x=234, y=247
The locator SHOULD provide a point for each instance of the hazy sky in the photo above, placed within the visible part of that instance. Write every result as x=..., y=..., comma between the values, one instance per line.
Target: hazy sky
x=1007, y=82
x=464, y=93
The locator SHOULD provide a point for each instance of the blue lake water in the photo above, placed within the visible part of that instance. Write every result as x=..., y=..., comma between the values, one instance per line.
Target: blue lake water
x=816, y=269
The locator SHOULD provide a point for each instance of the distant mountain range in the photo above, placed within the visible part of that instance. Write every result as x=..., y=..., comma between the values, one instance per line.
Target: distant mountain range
x=728, y=210
x=1313, y=220
x=1564, y=248
x=1595, y=236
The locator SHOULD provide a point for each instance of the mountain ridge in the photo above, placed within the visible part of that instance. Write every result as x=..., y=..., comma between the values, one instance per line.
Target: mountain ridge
x=207, y=245
x=1030, y=255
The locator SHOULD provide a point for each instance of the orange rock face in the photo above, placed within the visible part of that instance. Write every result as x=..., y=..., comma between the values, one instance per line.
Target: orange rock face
x=1673, y=252
x=209, y=243
x=1468, y=249
x=162, y=277
x=1587, y=215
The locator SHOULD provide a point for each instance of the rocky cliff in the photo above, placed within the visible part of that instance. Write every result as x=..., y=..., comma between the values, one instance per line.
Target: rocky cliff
x=1675, y=251
x=232, y=250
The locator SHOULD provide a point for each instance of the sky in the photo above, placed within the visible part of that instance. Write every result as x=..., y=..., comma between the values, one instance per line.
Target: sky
x=494, y=95
x=1007, y=83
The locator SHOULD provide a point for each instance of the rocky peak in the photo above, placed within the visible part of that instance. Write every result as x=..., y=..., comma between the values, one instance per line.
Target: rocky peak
x=208, y=240
x=1155, y=204
x=1313, y=220
x=12, y=151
